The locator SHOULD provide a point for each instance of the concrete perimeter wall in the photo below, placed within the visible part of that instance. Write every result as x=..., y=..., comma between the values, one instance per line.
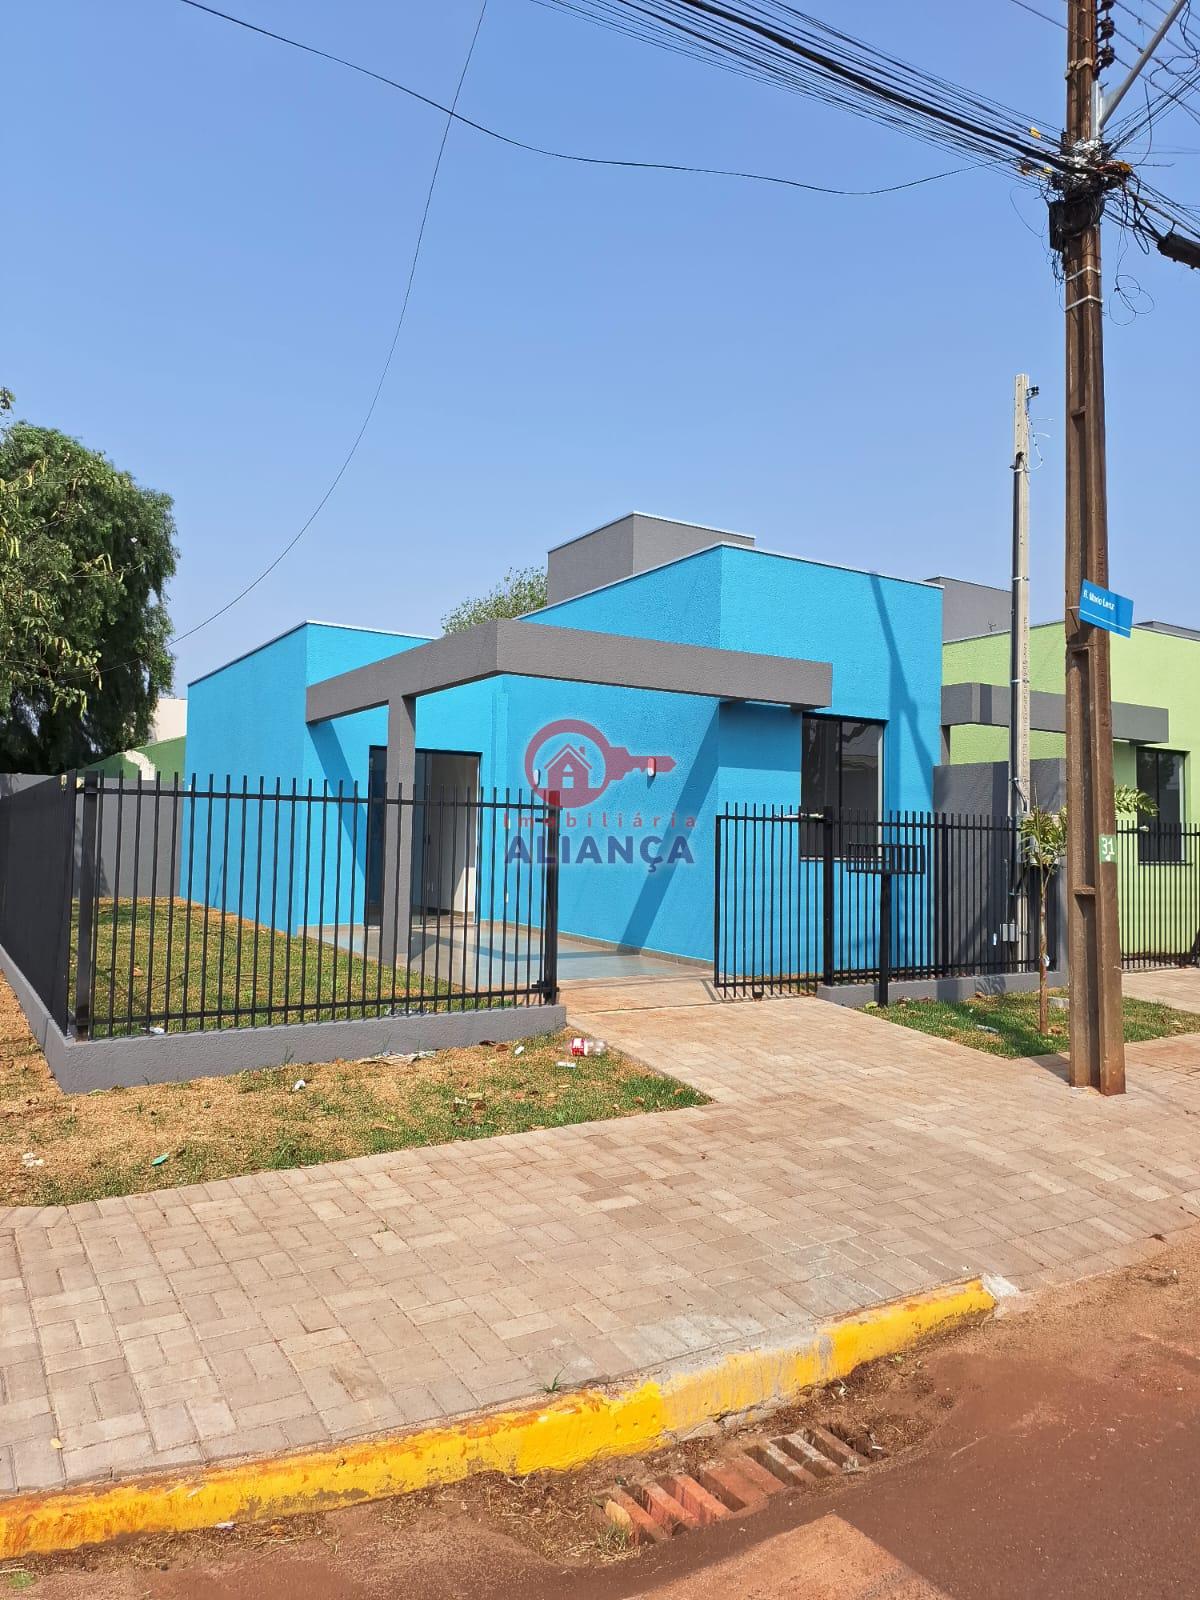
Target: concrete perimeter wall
x=79, y=1066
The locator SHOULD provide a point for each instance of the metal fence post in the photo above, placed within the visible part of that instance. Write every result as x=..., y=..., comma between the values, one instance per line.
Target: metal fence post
x=84, y=975
x=550, y=917
x=717, y=828
x=885, y=937
x=827, y=896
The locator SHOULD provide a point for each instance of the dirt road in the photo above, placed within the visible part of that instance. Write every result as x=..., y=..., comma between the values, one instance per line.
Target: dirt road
x=1052, y=1453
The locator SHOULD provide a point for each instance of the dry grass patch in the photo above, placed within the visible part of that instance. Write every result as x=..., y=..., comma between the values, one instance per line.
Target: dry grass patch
x=110, y=1142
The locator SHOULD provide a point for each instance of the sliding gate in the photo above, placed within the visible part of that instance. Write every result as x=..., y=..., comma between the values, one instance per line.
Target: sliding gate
x=838, y=897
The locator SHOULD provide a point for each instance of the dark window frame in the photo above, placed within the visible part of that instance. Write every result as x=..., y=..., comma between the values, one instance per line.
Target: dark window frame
x=825, y=719
x=1156, y=847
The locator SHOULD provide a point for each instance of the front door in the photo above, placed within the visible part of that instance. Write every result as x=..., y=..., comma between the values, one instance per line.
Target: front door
x=376, y=819
x=446, y=832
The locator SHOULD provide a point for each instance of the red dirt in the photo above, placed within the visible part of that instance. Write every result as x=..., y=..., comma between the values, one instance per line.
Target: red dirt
x=1051, y=1453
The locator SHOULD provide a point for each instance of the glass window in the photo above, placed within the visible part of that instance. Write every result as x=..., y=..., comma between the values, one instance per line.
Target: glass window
x=819, y=764
x=1160, y=775
x=861, y=746
x=841, y=765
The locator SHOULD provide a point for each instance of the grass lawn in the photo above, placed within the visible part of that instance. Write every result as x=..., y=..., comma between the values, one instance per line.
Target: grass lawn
x=215, y=962
x=107, y=1143
x=1007, y=1025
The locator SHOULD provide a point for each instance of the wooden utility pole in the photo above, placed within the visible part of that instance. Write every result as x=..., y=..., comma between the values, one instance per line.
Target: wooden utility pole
x=1019, y=795
x=1093, y=937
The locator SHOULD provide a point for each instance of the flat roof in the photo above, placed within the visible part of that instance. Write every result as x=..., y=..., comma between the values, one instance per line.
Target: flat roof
x=1174, y=629
x=969, y=583
x=705, y=527
x=1171, y=630
x=741, y=549
x=309, y=622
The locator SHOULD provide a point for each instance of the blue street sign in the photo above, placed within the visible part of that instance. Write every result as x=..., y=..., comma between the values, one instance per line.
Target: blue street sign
x=1104, y=609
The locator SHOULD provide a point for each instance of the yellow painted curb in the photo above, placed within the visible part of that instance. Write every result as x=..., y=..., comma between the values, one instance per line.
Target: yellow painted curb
x=583, y=1426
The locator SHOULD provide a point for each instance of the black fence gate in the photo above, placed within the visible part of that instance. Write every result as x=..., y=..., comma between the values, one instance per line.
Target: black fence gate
x=1158, y=872
x=802, y=899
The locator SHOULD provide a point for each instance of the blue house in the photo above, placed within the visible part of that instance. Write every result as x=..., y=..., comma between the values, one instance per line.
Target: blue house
x=677, y=671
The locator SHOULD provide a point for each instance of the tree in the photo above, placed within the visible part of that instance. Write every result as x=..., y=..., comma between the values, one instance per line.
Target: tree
x=520, y=590
x=1044, y=839
x=85, y=554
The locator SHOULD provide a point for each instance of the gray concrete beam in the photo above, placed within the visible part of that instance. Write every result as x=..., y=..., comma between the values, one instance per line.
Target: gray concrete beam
x=987, y=705
x=571, y=655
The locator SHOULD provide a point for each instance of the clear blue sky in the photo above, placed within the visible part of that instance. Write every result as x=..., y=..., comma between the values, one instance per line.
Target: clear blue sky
x=207, y=238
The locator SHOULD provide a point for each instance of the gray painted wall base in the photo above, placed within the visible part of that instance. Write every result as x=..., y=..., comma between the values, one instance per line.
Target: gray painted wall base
x=952, y=989
x=82, y=1065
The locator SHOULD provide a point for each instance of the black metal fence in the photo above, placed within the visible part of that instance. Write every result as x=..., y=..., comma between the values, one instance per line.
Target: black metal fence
x=135, y=907
x=1158, y=870
x=36, y=861
x=177, y=908
x=802, y=899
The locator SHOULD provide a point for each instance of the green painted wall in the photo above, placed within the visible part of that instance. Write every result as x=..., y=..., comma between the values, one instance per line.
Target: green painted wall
x=1158, y=914
x=1152, y=669
x=166, y=756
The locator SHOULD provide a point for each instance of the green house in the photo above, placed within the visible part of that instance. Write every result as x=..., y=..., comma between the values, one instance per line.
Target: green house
x=1156, y=726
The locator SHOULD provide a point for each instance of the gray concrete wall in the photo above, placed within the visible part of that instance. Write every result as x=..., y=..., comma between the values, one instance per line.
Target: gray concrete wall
x=130, y=853
x=633, y=543
x=980, y=788
x=972, y=609
x=858, y=995
x=80, y=1066
x=988, y=705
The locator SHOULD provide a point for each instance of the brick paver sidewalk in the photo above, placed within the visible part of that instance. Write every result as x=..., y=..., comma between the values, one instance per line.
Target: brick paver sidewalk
x=844, y=1161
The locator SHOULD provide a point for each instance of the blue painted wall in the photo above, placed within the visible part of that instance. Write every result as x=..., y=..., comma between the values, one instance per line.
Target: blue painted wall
x=638, y=866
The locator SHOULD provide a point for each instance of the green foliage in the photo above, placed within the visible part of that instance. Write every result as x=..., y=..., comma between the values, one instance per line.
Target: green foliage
x=85, y=554
x=520, y=590
x=1044, y=836
x=1131, y=802
x=1009, y=1025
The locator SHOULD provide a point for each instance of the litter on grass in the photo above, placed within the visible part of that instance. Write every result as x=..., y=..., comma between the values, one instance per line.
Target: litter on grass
x=571, y=1064
x=30, y=1160
x=299, y=1084
x=158, y=1160
x=388, y=1059
x=587, y=1047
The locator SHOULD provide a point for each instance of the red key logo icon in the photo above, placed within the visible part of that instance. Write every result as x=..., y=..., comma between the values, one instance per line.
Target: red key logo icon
x=573, y=760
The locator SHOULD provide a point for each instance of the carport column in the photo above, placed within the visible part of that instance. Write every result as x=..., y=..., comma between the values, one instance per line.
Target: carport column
x=395, y=913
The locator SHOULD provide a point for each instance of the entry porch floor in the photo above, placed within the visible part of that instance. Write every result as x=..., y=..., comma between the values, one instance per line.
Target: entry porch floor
x=491, y=956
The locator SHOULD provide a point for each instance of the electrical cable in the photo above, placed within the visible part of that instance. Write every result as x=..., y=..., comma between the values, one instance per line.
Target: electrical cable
x=783, y=46
x=370, y=412
x=566, y=155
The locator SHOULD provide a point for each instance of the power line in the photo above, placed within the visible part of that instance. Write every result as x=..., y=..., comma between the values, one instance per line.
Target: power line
x=564, y=155
x=779, y=45
x=358, y=438
x=1055, y=22
x=452, y=115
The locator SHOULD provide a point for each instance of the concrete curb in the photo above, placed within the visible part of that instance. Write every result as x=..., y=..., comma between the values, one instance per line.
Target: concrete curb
x=569, y=1431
